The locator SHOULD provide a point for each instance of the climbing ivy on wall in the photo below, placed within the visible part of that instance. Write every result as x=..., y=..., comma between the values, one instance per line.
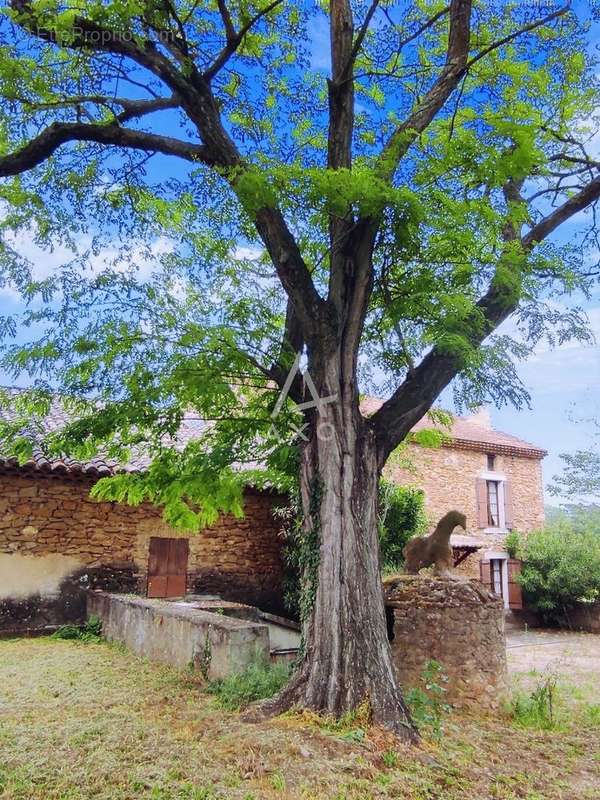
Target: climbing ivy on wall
x=301, y=553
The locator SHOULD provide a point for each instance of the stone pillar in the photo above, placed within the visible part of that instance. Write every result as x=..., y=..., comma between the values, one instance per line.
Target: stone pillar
x=459, y=624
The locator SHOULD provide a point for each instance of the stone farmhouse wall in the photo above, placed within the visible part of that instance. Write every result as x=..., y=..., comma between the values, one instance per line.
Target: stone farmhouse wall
x=55, y=541
x=448, y=477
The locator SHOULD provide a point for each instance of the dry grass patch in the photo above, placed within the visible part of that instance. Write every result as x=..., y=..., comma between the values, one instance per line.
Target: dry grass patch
x=81, y=721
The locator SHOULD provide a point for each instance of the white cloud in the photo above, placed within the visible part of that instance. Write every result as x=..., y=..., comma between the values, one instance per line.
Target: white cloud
x=251, y=253
x=47, y=262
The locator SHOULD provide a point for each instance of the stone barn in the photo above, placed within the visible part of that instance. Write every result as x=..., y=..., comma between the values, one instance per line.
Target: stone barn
x=56, y=542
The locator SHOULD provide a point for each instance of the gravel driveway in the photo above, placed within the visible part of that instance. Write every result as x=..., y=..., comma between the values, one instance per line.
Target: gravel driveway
x=573, y=656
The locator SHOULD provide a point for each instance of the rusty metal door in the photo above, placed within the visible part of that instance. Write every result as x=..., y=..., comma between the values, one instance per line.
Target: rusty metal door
x=167, y=567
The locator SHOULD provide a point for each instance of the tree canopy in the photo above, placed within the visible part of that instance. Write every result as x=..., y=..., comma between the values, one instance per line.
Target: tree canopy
x=192, y=165
x=580, y=479
x=372, y=185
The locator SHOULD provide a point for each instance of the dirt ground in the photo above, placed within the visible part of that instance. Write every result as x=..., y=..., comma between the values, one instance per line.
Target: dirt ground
x=81, y=721
x=576, y=655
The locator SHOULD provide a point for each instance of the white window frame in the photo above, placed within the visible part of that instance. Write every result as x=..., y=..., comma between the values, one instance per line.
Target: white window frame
x=500, y=479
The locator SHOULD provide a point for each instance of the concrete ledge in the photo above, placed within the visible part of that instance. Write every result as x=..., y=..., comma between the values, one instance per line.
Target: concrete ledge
x=180, y=635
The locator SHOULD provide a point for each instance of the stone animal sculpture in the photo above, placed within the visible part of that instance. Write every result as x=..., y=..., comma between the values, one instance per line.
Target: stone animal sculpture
x=434, y=550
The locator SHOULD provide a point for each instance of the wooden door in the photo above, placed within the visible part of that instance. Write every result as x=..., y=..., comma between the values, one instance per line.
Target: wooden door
x=167, y=567
x=485, y=573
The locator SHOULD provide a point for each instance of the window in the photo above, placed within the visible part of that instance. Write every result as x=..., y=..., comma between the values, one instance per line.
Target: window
x=491, y=462
x=493, y=506
x=496, y=576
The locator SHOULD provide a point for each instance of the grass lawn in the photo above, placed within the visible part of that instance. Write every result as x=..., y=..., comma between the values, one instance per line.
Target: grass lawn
x=89, y=720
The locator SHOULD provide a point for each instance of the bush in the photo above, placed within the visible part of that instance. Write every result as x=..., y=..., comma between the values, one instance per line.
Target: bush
x=402, y=516
x=257, y=682
x=90, y=631
x=512, y=544
x=561, y=567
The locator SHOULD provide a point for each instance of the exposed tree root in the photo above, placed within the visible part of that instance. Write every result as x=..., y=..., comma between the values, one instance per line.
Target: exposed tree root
x=391, y=716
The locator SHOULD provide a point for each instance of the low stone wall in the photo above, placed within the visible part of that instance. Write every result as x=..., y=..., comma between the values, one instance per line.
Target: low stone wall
x=173, y=633
x=584, y=617
x=459, y=624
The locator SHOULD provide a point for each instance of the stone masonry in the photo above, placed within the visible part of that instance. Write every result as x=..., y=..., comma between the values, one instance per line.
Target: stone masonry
x=54, y=540
x=459, y=624
x=448, y=477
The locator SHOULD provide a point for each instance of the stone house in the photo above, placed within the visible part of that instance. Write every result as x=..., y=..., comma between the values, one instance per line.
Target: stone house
x=55, y=541
x=495, y=479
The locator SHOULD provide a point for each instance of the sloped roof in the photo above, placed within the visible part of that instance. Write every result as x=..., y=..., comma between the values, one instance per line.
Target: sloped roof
x=471, y=433
x=97, y=467
x=465, y=433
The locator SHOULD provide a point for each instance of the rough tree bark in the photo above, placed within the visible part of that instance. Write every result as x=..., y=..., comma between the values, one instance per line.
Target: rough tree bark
x=347, y=655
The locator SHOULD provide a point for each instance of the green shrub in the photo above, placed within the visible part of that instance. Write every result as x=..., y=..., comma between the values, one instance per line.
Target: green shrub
x=561, y=567
x=401, y=516
x=257, y=682
x=426, y=702
x=90, y=631
x=513, y=545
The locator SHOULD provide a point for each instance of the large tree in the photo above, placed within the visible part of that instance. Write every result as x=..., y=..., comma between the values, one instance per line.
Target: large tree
x=370, y=184
x=580, y=479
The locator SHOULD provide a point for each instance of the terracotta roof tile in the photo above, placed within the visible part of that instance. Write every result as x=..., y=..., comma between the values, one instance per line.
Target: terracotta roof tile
x=470, y=433
x=465, y=433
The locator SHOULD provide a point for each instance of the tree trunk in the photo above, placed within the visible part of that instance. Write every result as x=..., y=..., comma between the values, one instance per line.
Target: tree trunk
x=347, y=657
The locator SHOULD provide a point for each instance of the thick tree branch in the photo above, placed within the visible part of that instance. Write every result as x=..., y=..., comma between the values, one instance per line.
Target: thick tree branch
x=230, y=33
x=584, y=198
x=457, y=65
x=360, y=37
x=436, y=97
x=58, y=133
x=132, y=109
x=416, y=394
x=349, y=273
x=341, y=89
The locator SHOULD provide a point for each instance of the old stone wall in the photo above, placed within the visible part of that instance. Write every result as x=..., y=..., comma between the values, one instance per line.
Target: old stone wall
x=456, y=623
x=55, y=541
x=448, y=475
